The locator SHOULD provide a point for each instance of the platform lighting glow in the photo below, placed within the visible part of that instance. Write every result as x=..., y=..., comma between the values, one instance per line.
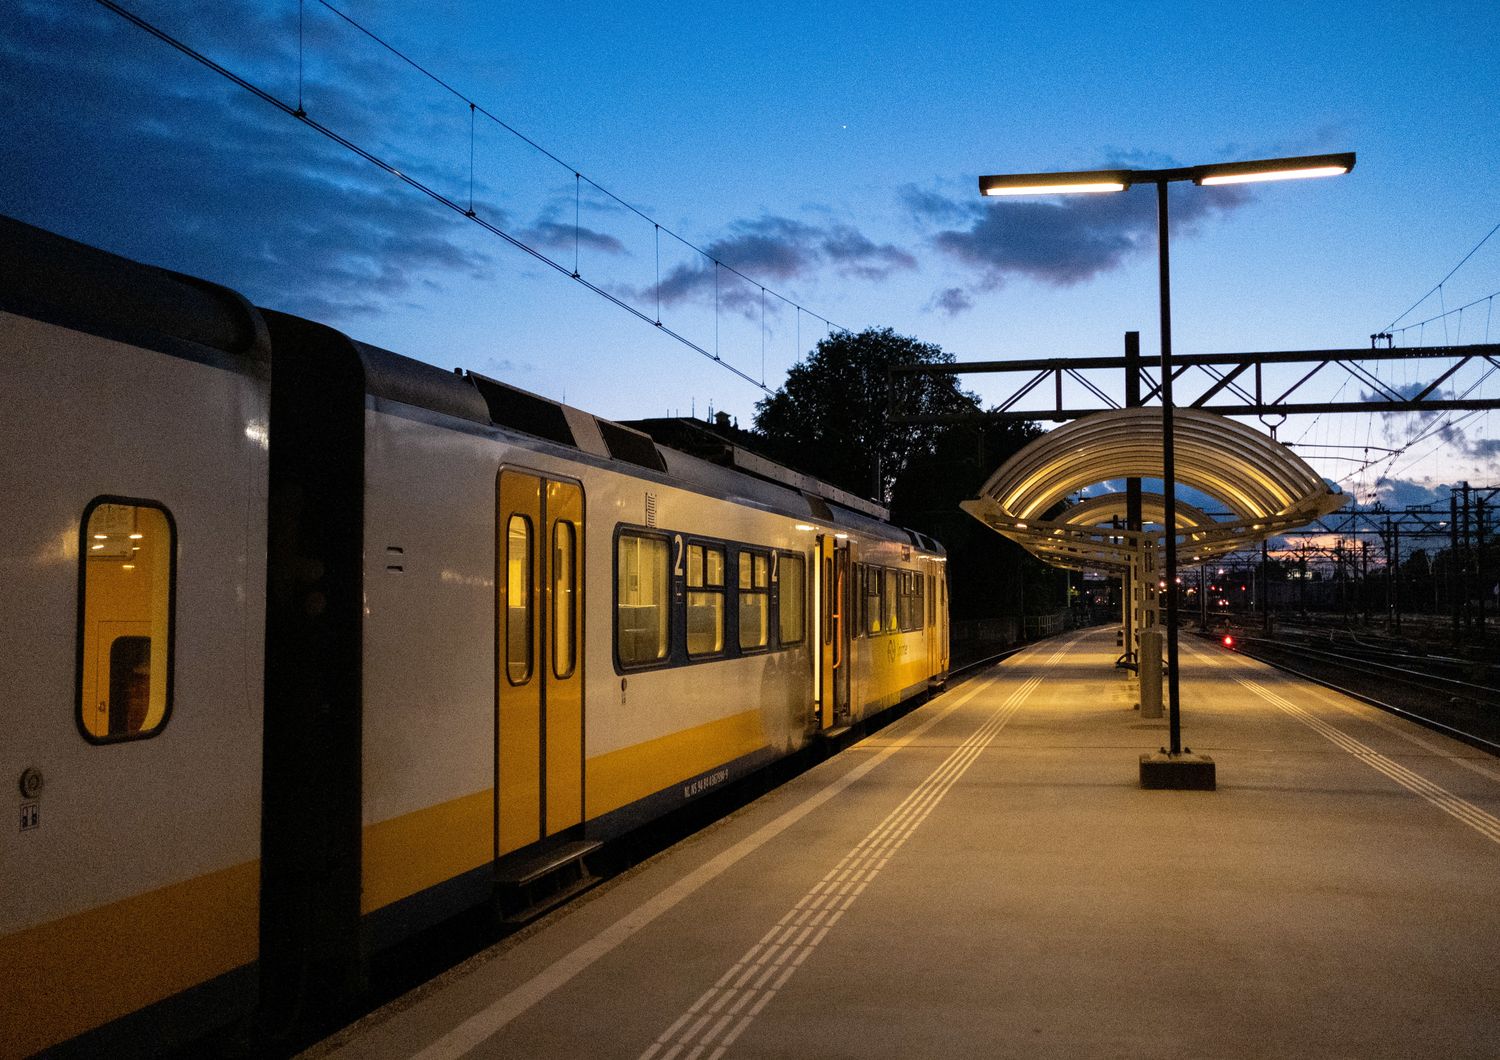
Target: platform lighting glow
x=95, y=548
x=805, y=527
x=101, y=537
x=1281, y=174
x=1096, y=188
x=136, y=537
x=841, y=537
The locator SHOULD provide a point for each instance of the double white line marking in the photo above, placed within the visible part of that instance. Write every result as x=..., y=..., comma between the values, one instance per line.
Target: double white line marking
x=724, y=1011
x=1484, y=823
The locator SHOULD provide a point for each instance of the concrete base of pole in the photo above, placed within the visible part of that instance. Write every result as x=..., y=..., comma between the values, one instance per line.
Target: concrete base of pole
x=1184, y=772
x=1148, y=664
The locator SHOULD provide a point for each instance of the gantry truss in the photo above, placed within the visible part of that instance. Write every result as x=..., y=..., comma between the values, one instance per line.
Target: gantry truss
x=1232, y=384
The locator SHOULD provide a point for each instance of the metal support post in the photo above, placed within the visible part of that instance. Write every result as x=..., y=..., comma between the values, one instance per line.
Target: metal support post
x=1453, y=581
x=1168, y=471
x=1133, y=501
x=1265, y=588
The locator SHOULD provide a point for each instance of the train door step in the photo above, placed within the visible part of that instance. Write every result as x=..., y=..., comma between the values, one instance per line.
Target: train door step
x=534, y=885
x=835, y=732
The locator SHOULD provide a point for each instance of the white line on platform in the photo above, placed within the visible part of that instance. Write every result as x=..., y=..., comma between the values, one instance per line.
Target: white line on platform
x=1372, y=715
x=493, y=1017
x=1484, y=823
x=877, y=847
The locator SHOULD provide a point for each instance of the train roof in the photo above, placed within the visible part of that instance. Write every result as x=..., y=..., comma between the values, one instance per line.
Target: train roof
x=49, y=277
x=744, y=476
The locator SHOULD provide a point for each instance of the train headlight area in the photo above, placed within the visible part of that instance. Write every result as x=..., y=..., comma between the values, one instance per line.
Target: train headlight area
x=984, y=877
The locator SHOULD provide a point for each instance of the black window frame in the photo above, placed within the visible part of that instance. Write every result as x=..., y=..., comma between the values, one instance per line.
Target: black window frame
x=664, y=660
x=764, y=553
x=721, y=590
x=778, y=598
x=81, y=610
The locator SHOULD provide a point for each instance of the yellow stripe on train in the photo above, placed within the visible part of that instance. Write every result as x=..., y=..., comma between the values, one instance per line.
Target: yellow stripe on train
x=71, y=975
x=408, y=854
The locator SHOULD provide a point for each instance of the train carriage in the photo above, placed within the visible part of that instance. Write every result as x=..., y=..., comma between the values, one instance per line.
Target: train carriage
x=320, y=645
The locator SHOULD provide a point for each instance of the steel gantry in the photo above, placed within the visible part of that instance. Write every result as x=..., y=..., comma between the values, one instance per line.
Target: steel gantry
x=1231, y=384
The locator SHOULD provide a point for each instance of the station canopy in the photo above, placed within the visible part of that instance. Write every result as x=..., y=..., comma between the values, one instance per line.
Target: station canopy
x=1264, y=487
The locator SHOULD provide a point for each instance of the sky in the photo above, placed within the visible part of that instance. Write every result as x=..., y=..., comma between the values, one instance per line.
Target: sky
x=826, y=153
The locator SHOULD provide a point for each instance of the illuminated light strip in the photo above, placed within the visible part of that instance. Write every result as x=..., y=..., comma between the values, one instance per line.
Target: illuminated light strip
x=765, y=967
x=1482, y=822
x=493, y=1018
x=1050, y=189
x=1284, y=174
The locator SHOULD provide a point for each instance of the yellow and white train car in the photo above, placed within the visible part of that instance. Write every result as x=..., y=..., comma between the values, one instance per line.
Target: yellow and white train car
x=319, y=645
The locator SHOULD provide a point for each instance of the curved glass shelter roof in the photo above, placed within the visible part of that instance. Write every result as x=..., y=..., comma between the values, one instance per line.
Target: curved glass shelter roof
x=1265, y=486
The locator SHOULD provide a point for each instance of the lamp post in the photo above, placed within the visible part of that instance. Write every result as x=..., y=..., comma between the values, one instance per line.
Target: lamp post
x=1103, y=181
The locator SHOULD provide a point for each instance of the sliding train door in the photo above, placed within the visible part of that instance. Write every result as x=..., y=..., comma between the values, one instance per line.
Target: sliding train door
x=539, y=671
x=832, y=609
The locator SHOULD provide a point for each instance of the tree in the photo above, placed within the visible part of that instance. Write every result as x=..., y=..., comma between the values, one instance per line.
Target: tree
x=830, y=417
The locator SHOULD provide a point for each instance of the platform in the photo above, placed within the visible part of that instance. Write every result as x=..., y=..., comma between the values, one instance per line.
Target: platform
x=987, y=878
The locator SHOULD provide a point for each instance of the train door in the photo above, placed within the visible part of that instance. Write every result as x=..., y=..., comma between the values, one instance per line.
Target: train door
x=832, y=586
x=539, y=678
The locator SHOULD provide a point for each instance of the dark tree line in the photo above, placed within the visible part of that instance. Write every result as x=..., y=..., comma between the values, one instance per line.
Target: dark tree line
x=830, y=420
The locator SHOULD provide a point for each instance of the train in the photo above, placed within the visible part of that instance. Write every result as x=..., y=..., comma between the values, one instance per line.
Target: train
x=314, y=646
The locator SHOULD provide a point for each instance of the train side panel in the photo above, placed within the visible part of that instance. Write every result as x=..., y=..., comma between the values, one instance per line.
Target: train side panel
x=134, y=874
x=672, y=727
x=429, y=709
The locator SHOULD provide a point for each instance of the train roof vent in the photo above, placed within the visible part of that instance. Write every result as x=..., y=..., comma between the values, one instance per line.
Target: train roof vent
x=631, y=446
x=523, y=411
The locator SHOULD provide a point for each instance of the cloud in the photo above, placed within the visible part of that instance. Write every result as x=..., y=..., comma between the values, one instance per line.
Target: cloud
x=562, y=236
x=1457, y=438
x=1064, y=241
x=119, y=141
x=1408, y=493
x=778, y=249
x=951, y=300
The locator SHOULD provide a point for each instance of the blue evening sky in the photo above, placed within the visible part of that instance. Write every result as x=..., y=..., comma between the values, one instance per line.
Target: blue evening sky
x=829, y=151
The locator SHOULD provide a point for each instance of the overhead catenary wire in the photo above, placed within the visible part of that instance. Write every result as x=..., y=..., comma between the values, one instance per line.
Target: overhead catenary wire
x=1438, y=287
x=538, y=147
x=1490, y=298
x=299, y=113
x=405, y=178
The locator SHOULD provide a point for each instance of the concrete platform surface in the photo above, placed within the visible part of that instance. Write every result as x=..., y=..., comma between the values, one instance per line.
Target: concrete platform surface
x=987, y=878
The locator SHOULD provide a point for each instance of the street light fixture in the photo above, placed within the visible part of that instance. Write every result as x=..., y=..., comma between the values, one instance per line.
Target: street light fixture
x=1110, y=180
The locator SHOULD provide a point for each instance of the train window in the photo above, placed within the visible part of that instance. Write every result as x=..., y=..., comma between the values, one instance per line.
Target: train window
x=826, y=592
x=873, y=609
x=564, y=598
x=755, y=600
x=911, y=611
x=518, y=593
x=857, y=599
x=889, y=623
x=705, y=600
x=791, y=591
x=642, y=591
x=127, y=554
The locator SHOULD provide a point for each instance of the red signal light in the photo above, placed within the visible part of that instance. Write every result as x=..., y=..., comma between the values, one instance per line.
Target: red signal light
x=1228, y=642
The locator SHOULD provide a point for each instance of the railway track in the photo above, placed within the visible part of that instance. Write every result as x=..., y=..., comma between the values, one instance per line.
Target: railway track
x=1458, y=697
